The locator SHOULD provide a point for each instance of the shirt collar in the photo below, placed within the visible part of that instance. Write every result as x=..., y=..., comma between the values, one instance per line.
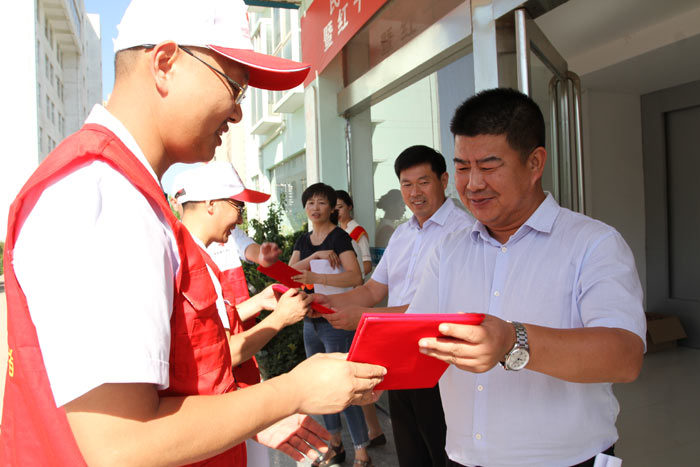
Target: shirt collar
x=542, y=220
x=439, y=217
x=101, y=116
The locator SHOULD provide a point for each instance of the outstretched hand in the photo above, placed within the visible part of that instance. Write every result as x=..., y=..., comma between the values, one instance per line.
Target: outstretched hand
x=347, y=318
x=268, y=255
x=330, y=383
x=296, y=436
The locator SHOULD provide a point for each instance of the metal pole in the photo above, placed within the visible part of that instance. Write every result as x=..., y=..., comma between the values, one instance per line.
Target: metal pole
x=522, y=51
x=578, y=138
x=554, y=135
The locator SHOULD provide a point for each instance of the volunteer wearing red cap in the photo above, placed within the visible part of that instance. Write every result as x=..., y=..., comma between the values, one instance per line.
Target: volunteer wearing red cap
x=118, y=355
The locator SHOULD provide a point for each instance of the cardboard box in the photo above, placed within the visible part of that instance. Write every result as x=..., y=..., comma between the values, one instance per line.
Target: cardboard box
x=663, y=332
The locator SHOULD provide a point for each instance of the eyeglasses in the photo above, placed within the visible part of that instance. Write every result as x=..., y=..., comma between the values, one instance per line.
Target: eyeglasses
x=238, y=89
x=239, y=207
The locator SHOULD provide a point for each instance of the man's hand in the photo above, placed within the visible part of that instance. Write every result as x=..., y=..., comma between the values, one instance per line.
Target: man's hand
x=329, y=383
x=471, y=348
x=293, y=305
x=291, y=435
x=330, y=255
x=269, y=252
x=347, y=318
x=266, y=299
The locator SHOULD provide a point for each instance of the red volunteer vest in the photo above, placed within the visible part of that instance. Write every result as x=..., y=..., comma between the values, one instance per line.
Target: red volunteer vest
x=34, y=431
x=246, y=373
x=357, y=233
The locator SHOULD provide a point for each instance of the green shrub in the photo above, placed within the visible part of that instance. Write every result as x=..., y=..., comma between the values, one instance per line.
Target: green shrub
x=2, y=251
x=286, y=349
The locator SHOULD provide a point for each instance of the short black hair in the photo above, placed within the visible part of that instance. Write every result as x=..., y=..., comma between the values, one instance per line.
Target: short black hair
x=344, y=196
x=417, y=155
x=319, y=189
x=502, y=111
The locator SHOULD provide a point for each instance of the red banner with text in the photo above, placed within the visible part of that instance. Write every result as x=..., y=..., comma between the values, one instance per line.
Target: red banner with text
x=328, y=25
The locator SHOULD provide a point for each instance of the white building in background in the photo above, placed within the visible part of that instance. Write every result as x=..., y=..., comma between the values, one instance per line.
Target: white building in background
x=52, y=76
x=275, y=150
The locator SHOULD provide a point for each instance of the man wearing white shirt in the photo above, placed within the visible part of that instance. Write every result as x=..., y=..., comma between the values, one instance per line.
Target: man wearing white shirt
x=562, y=299
x=416, y=414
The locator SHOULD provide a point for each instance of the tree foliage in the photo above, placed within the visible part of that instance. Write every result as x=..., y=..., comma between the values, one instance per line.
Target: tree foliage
x=286, y=349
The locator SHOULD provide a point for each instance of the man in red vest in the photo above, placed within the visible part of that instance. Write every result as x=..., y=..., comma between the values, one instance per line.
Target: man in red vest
x=212, y=198
x=118, y=354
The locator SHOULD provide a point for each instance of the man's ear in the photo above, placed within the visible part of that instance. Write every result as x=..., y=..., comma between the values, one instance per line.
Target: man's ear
x=536, y=161
x=162, y=59
x=211, y=207
x=444, y=179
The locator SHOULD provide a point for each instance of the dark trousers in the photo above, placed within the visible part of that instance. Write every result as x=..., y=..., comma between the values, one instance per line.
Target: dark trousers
x=419, y=428
x=589, y=463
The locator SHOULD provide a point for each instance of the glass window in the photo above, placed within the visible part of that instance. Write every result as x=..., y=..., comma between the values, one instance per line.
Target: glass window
x=289, y=182
x=407, y=118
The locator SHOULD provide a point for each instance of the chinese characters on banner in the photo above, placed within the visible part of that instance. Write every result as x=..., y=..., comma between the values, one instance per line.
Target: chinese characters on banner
x=328, y=25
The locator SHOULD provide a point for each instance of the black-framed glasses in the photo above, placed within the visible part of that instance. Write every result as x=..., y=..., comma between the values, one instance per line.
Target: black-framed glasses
x=239, y=90
x=239, y=207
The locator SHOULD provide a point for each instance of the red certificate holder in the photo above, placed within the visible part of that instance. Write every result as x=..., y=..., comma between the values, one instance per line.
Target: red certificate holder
x=391, y=340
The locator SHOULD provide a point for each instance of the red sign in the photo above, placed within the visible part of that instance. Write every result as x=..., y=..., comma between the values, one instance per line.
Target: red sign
x=328, y=25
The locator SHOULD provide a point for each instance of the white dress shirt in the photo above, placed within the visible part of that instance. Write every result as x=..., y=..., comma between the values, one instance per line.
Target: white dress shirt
x=97, y=266
x=408, y=250
x=230, y=254
x=562, y=270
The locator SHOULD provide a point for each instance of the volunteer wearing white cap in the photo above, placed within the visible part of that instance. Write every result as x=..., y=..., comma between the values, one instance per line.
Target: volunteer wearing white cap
x=117, y=355
x=212, y=204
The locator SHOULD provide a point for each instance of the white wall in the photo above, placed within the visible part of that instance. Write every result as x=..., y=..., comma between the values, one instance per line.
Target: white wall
x=614, y=166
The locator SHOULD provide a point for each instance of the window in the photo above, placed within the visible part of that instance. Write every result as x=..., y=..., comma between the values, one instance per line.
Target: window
x=46, y=26
x=48, y=107
x=46, y=65
x=53, y=113
x=38, y=94
x=51, y=73
x=289, y=181
x=41, y=139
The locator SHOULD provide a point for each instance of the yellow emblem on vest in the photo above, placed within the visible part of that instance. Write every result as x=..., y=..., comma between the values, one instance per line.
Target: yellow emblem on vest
x=10, y=363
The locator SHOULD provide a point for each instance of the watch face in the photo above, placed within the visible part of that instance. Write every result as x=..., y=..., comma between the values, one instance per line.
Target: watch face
x=518, y=359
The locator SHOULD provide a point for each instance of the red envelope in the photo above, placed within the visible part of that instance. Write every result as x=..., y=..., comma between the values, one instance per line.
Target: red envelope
x=391, y=340
x=280, y=289
x=283, y=273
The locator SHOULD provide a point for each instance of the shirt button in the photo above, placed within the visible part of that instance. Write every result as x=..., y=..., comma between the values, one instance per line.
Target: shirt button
x=497, y=293
x=504, y=249
x=480, y=388
x=478, y=436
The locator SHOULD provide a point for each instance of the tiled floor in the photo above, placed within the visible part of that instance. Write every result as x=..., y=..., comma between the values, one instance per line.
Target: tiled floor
x=659, y=422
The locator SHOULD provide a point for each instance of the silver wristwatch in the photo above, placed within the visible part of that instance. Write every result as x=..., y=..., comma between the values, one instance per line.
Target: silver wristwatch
x=519, y=355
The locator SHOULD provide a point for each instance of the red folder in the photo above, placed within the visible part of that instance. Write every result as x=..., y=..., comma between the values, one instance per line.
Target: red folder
x=391, y=340
x=283, y=273
x=280, y=289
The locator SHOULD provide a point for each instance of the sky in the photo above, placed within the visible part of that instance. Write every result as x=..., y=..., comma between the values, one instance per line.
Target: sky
x=111, y=12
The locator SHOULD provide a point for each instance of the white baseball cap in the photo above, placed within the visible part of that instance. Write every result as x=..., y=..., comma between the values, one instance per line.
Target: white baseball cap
x=220, y=25
x=215, y=180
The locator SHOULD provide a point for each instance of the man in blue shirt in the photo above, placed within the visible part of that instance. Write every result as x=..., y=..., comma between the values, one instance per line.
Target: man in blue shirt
x=561, y=293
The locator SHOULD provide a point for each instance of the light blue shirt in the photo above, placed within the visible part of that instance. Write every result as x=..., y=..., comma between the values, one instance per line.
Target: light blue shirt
x=409, y=248
x=562, y=270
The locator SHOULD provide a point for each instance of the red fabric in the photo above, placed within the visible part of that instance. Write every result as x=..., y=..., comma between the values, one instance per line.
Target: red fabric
x=246, y=373
x=357, y=233
x=34, y=431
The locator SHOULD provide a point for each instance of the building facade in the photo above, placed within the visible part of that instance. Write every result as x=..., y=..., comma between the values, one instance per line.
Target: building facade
x=53, y=78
